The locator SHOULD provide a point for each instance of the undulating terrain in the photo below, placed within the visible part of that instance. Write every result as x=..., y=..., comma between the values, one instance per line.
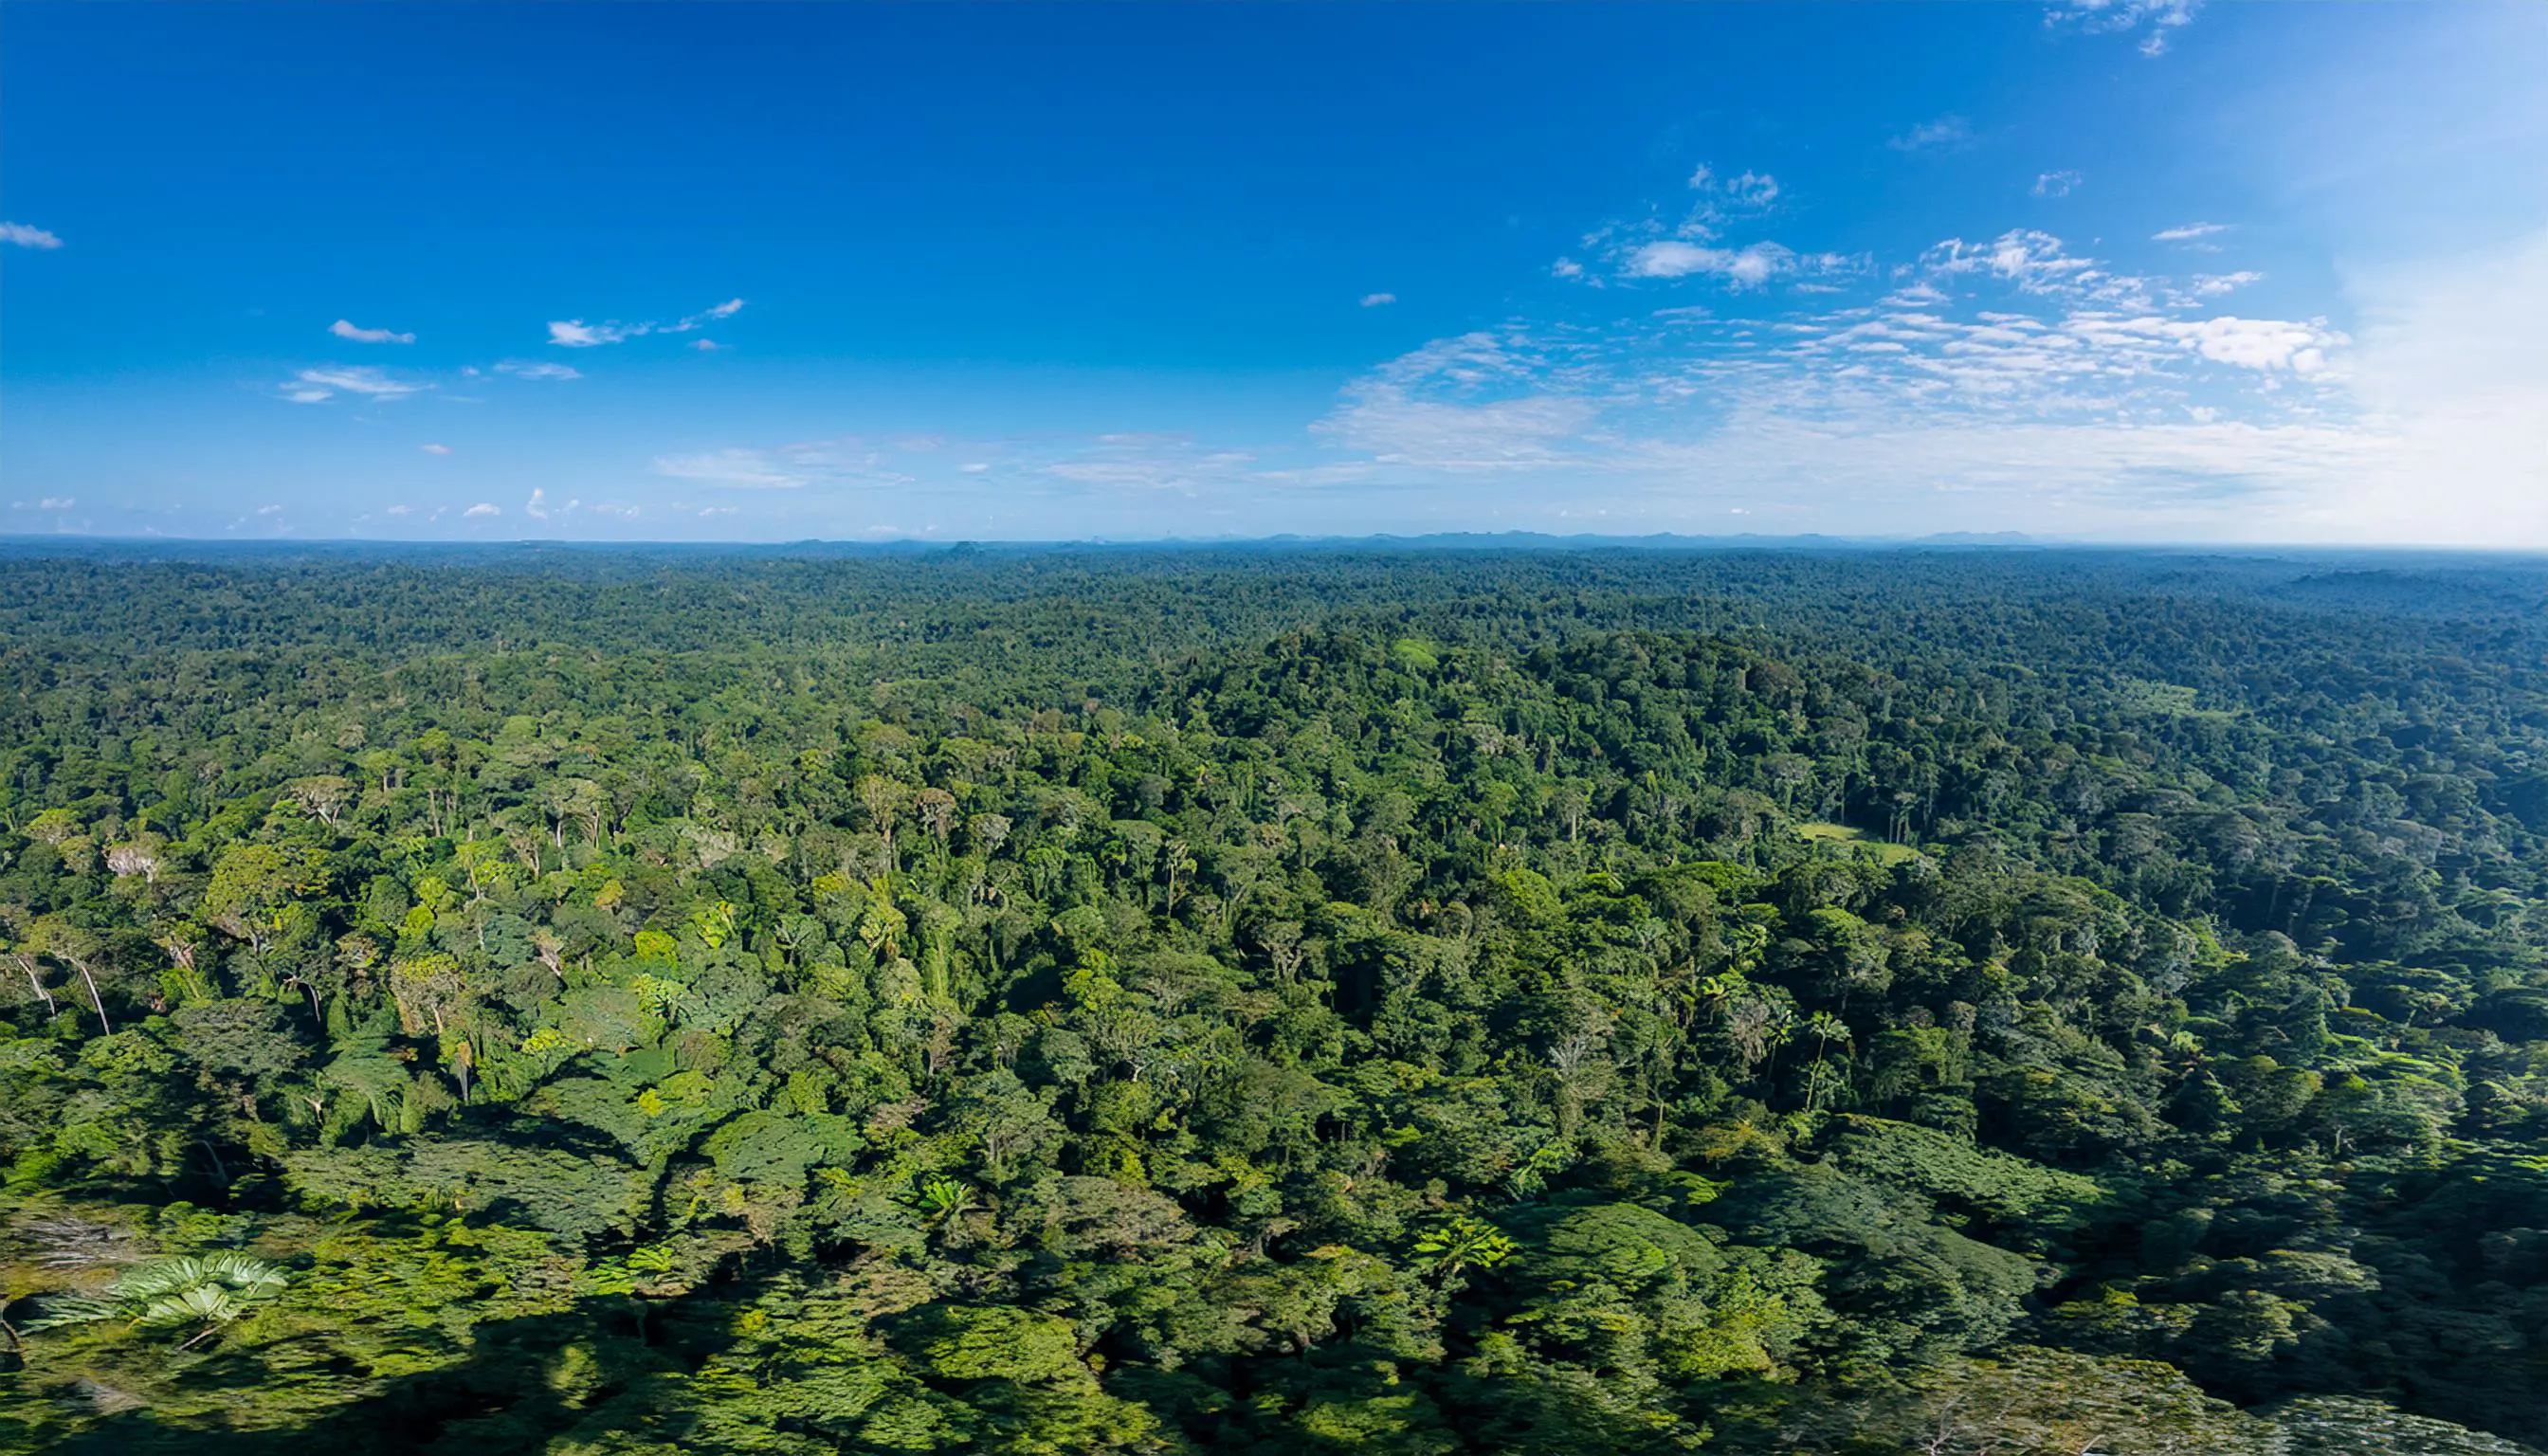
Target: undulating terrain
x=1284, y=1000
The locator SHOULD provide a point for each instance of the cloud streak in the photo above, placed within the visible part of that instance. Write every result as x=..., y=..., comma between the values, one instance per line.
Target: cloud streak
x=346, y=329
x=2161, y=19
x=2008, y=381
x=732, y=469
x=318, y=386
x=1945, y=131
x=19, y=234
x=574, y=333
x=535, y=369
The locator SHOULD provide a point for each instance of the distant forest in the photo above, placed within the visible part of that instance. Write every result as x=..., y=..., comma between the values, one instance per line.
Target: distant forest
x=1290, y=1000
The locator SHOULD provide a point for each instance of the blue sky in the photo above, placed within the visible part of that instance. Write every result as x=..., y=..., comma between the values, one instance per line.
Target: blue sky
x=2127, y=271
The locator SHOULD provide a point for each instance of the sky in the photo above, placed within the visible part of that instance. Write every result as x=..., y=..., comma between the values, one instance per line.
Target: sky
x=2107, y=270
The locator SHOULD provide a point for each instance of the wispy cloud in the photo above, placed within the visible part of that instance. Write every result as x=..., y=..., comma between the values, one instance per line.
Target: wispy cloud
x=527, y=369
x=1945, y=131
x=345, y=328
x=1377, y=300
x=574, y=333
x=2161, y=18
x=2056, y=184
x=538, y=507
x=1746, y=189
x=316, y=386
x=22, y=235
x=2034, y=263
x=2053, y=388
x=483, y=509
x=1753, y=190
x=2213, y=284
x=2189, y=232
x=1144, y=461
x=1747, y=267
x=732, y=469
x=436, y=449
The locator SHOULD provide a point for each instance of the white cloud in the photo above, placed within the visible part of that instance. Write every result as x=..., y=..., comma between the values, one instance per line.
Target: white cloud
x=2056, y=184
x=344, y=329
x=1396, y=428
x=574, y=333
x=1949, y=130
x=2213, y=284
x=2188, y=233
x=1749, y=190
x=269, y=511
x=1753, y=189
x=732, y=469
x=2038, y=388
x=402, y=510
x=1376, y=300
x=57, y=502
x=2035, y=262
x=1567, y=268
x=537, y=506
x=1491, y=401
x=436, y=449
x=24, y=236
x=1747, y=267
x=482, y=509
x=521, y=369
x=2163, y=17
x=1135, y=461
x=312, y=386
x=708, y=345
x=974, y=467
x=2266, y=344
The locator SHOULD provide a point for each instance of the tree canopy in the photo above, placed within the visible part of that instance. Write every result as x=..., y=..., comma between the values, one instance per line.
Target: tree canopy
x=1253, y=1000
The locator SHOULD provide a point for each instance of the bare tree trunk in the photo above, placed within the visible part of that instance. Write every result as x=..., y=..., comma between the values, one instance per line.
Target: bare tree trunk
x=94, y=999
x=27, y=964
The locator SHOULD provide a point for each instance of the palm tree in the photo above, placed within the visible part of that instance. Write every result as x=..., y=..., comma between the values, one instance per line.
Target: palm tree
x=1826, y=1029
x=204, y=1292
x=1462, y=1244
x=947, y=1201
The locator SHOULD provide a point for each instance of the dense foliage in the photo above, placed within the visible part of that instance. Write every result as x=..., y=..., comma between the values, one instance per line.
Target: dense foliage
x=1273, y=1001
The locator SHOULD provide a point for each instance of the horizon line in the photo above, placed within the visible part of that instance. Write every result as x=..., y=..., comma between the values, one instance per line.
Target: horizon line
x=1429, y=540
